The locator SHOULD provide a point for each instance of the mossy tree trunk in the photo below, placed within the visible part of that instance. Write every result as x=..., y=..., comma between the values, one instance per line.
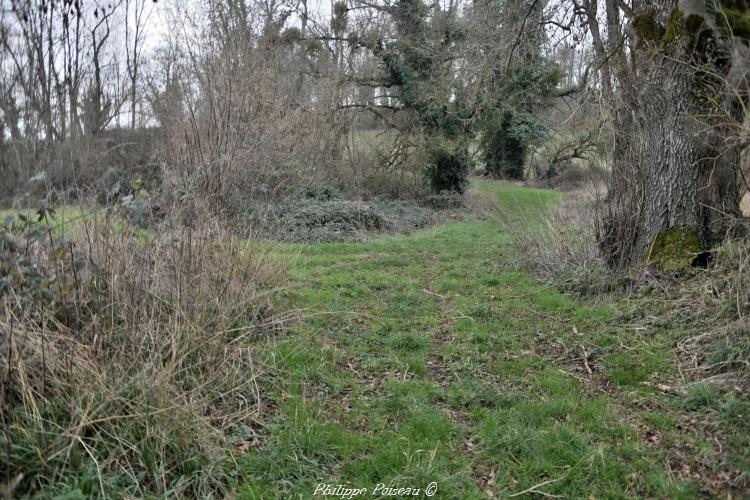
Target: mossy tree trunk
x=673, y=177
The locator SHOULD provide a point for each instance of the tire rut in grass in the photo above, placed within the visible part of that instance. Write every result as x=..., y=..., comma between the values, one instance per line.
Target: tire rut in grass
x=483, y=473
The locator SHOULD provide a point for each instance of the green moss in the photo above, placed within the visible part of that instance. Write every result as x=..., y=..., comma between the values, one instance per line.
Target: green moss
x=675, y=27
x=732, y=18
x=692, y=25
x=646, y=26
x=675, y=248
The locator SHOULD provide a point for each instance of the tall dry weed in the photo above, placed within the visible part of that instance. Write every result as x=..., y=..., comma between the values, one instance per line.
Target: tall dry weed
x=130, y=380
x=560, y=245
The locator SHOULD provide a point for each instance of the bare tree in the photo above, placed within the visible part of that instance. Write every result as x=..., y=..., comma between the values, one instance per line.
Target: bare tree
x=166, y=94
x=98, y=108
x=134, y=39
x=11, y=114
x=73, y=27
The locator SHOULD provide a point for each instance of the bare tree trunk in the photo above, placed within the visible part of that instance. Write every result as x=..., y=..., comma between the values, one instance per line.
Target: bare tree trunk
x=590, y=8
x=133, y=47
x=97, y=108
x=73, y=70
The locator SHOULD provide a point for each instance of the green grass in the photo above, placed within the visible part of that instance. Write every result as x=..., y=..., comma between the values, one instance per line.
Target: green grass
x=430, y=358
x=64, y=214
x=63, y=220
x=436, y=361
x=67, y=220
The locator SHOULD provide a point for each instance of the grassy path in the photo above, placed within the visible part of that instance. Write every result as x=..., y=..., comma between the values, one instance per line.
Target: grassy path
x=432, y=360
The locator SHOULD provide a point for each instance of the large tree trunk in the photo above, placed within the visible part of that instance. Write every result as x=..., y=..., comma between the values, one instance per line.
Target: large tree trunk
x=674, y=187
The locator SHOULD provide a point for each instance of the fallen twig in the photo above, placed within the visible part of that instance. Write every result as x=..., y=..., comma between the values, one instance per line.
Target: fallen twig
x=534, y=488
x=585, y=357
x=676, y=391
x=433, y=293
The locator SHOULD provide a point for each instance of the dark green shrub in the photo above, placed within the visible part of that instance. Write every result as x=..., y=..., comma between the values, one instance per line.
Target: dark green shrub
x=322, y=192
x=504, y=141
x=313, y=220
x=33, y=262
x=448, y=168
x=338, y=212
x=401, y=216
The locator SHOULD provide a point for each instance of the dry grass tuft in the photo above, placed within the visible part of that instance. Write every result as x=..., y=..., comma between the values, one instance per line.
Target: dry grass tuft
x=560, y=245
x=721, y=350
x=480, y=204
x=561, y=249
x=130, y=380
